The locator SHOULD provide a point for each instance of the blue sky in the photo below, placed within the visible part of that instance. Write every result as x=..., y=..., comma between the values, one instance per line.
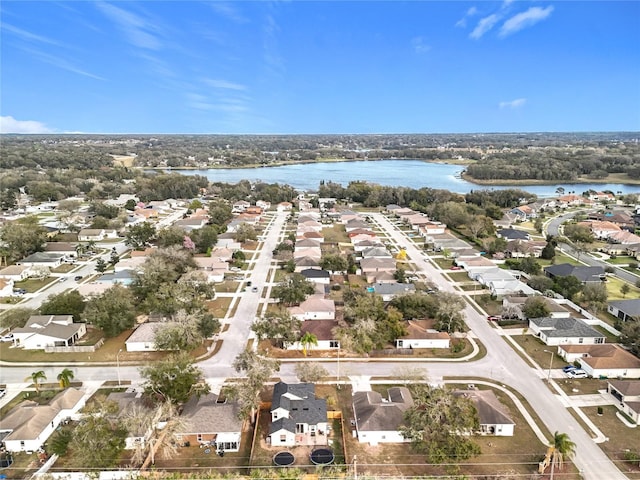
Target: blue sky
x=319, y=67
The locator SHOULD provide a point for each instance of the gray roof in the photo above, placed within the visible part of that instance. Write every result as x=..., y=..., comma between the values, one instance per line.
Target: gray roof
x=373, y=413
x=582, y=273
x=513, y=234
x=490, y=410
x=299, y=399
x=565, y=327
x=43, y=257
x=315, y=273
x=393, y=288
x=629, y=307
x=206, y=415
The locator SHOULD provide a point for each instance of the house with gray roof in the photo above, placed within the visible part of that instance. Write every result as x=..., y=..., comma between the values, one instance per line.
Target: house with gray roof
x=625, y=309
x=389, y=291
x=560, y=331
x=513, y=234
x=627, y=396
x=582, y=273
x=46, y=331
x=29, y=425
x=43, y=259
x=212, y=420
x=297, y=416
x=493, y=415
x=143, y=338
x=379, y=419
x=129, y=404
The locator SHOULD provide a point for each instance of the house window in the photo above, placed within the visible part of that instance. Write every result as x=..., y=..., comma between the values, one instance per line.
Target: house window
x=599, y=340
x=299, y=427
x=581, y=340
x=334, y=344
x=283, y=438
x=275, y=415
x=199, y=437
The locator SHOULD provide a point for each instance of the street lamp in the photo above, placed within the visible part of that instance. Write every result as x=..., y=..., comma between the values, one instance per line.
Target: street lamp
x=550, y=364
x=338, y=372
x=118, y=364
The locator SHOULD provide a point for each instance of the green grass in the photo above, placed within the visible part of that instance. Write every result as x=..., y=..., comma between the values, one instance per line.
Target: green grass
x=621, y=260
x=32, y=285
x=614, y=284
x=535, y=348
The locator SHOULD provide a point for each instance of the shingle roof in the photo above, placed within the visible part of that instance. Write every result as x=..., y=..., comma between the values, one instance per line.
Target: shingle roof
x=582, y=273
x=300, y=401
x=490, y=410
x=630, y=388
x=373, y=413
x=206, y=415
x=565, y=327
x=630, y=307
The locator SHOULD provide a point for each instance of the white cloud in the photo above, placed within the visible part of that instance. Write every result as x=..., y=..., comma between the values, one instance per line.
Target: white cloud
x=524, y=20
x=229, y=11
x=462, y=23
x=419, y=45
x=9, y=124
x=224, y=84
x=60, y=62
x=484, y=25
x=28, y=36
x=138, y=31
x=517, y=103
x=472, y=11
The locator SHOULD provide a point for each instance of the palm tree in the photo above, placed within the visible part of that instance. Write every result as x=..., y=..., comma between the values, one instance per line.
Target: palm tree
x=562, y=447
x=65, y=377
x=36, y=378
x=307, y=340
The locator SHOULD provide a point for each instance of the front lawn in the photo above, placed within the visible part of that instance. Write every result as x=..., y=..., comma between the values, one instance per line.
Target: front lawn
x=614, y=285
x=535, y=348
x=219, y=307
x=32, y=285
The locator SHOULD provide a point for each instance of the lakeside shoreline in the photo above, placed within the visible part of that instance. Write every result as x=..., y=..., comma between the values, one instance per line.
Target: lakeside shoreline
x=614, y=178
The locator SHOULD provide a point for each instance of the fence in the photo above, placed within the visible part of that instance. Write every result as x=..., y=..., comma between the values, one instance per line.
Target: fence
x=75, y=348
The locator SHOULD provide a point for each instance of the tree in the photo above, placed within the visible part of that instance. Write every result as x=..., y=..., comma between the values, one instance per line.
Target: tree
x=438, y=423
x=65, y=377
x=449, y=317
x=66, y=303
x=334, y=262
x=278, y=326
x=23, y=237
x=293, y=290
x=562, y=447
x=101, y=265
x=37, y=377
x=99, y=439
x=416, y=305
x=138, y=236
x=208, y=325
x=170, y=236
x=536, y=307
x=310, y=372
x=624, y=289
x=245, y=232
x=205, y=238
x=113, y=311
x=538, y=224
x=220, y=212
x=307, y=341
x=549, y=250
x=540, y=283
x=114, y=257
x=594, y=297
x=16, y=317
x=400, y=275
x=257, y=371
x=630, y=336
x=181, y=334
x=568, y=286
x=173, y=379
x=578, y=233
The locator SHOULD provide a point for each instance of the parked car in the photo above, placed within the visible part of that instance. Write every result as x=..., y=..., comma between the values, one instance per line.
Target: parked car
x=19, y=291
x=494, y=318
x=577, y=373
x=7, y=338
x=568, y=368
x=2, y=392
x=254, y=289
x=77, y=278
x=456, y=267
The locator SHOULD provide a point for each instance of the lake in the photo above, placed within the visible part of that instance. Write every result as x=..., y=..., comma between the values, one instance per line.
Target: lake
x=395, y=173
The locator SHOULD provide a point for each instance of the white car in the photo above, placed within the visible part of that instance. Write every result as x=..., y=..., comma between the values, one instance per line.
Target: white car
x=577, y=373
x=7, y=338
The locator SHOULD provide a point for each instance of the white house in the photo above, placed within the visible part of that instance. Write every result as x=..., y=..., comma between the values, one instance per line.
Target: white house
x=603, y=360
x=378, y=419
x=297, y=416
x=419, y=335
x=95, y=234
x=559, y=331
x=322, y=330
x=315, y=307
x=627, y=395
x=143, y=337
x=625, y=310
x=493, y=416
x=284, y=207
x=6, y=287
x=127, y=402
x=28, y=426
x=41, y=331
x=314, y=275
x=43, y=259
x=17, y=273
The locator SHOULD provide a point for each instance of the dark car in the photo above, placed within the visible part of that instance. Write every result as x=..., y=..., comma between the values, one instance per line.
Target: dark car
x=77, y=278
x=568, y=368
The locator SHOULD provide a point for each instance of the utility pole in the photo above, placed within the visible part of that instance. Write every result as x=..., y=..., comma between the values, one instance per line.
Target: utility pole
x=355, y=467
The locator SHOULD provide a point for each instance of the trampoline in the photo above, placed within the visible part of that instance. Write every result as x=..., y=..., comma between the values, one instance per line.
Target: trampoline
x=322, y=456
x=283, y=459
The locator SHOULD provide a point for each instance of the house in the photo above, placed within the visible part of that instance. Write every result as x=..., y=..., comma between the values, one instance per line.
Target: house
x=284, y=207
x=604, y=360
x=305, y=263
x=48, y=260
x=627, y=395
x=41, y=331
x=625, y=309
x=228, y=240
x=514, y=304
x=316, y=276
x=93, y=289
x=67, y=248
x=624, y=237
x=364, y=244
x=143, y=338
x=132, y=263
x=191, y=223
x=313, y=252
x=376, y=252
x=316, y=307
x=432, y=228
x=388, y=291
x=572, y=201
x=95, y=234
x=6, y=287
x=524, y=248
x=475, y=262
x=559, y=331
x=373, y=265
x=17, y=273
x=129, y=403
x=123, y=277
x=297, y=416
x=377, y=419
x=240, y=206
x=602, y=229
x=602, y=196
x=492, y=414
x=355, y=224
x=513, y=234
x=210, y=420
x=29, y=425
x=323, y=331
x=523, y=212
x=421, y=335
x=582, y=273
x=308, y=243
